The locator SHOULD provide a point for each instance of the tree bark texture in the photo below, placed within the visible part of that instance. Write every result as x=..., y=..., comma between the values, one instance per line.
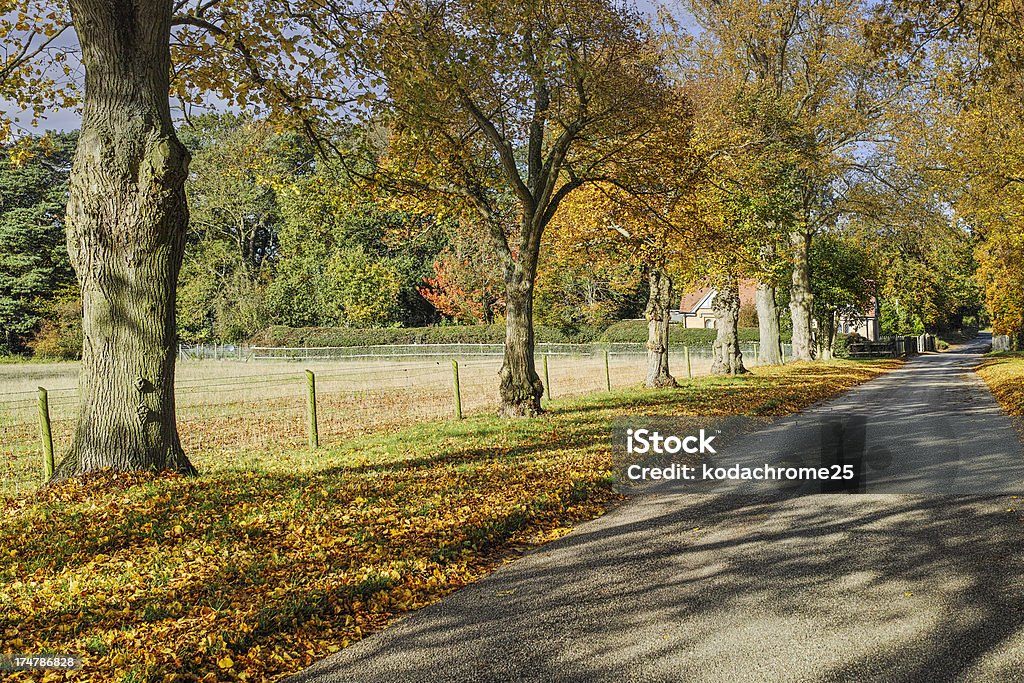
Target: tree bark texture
x=126, y=223
x=801, y=302
x=728, y=359
x=521, y=387
x=658, y=313
x=769, y=331
x=828, y=335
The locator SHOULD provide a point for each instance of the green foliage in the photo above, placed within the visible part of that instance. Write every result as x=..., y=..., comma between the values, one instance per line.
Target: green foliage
x=841, y=282
x=234, y=221
x=841, y=345
x=635, y=331
x=897, y=318
x=840, y=276
x=345, y=259
x=279, y=236
x=60, y=333
x=279, y=335
x=34, y=263
x=576, y=295
x=361, y=290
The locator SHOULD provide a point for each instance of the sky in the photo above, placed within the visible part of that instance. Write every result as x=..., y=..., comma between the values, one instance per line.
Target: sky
x=67, y=119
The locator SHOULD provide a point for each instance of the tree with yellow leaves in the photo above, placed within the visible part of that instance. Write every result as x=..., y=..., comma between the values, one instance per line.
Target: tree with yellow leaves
x=506, y=109
x=809, y=60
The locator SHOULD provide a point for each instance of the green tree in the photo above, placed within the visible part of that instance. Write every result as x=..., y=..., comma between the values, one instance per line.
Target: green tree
x=34, y=265
x=841, y=278
x=330, y=226
x=237, y=164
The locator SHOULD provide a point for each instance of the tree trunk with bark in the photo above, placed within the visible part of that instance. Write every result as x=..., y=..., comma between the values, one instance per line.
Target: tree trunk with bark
x=126, y=223
x=521, y=387
x=728, y=359
x=828, y=336
x=658, y=313
x=769, y=331
x=801, y=302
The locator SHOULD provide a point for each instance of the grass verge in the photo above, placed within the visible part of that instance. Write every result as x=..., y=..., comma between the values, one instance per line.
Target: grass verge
x=1004, y=374
x=262, y=566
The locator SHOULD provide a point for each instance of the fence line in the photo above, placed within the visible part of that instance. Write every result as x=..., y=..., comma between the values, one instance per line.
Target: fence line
x=446, y=350
x=224, y=407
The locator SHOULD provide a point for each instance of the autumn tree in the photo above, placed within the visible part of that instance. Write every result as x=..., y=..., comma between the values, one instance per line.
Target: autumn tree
x=127, y=214
x=465, y=283
x=809, y=57
x=610, y=227
x=949, y=203
x=509, y=108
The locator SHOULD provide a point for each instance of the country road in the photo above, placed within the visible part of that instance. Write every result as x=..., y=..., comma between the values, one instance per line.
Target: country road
x=912, y=580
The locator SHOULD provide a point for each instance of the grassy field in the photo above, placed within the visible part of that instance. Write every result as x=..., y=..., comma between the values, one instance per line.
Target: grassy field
x=273, y=559
x=225, y=407
x=1004, y=374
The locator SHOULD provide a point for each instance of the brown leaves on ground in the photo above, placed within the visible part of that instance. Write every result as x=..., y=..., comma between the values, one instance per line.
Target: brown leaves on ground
x=1004, y=375
x=255, y=570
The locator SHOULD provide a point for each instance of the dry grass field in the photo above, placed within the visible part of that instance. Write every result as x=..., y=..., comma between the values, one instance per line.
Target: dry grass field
x=231, y=408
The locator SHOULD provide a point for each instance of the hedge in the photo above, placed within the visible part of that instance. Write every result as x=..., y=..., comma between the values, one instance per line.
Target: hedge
x=437, y=334
x=623, y=331
x=636, y=331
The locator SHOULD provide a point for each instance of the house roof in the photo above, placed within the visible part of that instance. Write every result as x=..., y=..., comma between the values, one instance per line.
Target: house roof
x=702, y=298
x=691, y=300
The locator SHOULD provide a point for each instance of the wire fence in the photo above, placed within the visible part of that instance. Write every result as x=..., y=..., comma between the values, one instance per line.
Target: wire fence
x=225, y=406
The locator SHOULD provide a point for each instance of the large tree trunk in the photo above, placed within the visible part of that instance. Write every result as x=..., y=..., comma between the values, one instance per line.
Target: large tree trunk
x=521, y=387
x=769, y=331
x=728, y=359
x=801, y=302
x=658, y=313
x=828, y=335
x=126, y=223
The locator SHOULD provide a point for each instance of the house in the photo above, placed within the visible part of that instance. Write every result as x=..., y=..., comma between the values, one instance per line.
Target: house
x=865, y=325
x=695, y=311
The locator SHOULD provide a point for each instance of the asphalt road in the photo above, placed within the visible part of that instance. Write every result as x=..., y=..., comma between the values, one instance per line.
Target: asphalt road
x=904, y=582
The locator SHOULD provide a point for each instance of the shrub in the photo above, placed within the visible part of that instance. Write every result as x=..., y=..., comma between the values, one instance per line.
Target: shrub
x=636, y=331
x=60, y=334
x=437, y=334
x=841, y=346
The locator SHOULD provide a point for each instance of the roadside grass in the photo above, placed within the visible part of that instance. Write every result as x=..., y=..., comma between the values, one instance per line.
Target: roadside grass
x=261, y=566
x=1004, y=374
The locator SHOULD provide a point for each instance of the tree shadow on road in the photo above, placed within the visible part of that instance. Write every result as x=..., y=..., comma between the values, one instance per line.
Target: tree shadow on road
x=701, y=588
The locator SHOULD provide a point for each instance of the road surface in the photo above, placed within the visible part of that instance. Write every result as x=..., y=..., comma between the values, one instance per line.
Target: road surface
x=905, y=582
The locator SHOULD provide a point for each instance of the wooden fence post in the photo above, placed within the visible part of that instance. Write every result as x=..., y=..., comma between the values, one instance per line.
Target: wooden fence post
x=607, y=372
x=547, y=382
x=314, y=433
x=45, y=434
x=458, y=392
x=689, y=368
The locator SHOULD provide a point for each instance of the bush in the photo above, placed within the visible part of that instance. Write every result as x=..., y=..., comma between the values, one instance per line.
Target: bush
x=841, y=346
x=636, y=331
x=437, y=334
x=60, y=334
